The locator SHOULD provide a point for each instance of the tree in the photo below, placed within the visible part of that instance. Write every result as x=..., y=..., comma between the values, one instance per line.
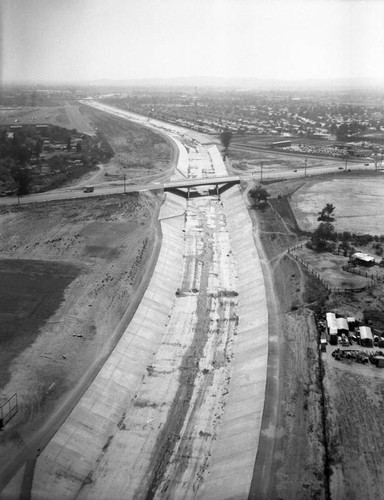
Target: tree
x=326, y=213
x=23, y=155
x=38, y=147
x=259, y=195
x=225, y=138
x=23, y=180
x=342, y=132
x=321, y=236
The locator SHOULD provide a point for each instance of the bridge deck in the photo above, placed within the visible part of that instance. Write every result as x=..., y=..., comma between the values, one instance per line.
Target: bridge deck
x=206, y=181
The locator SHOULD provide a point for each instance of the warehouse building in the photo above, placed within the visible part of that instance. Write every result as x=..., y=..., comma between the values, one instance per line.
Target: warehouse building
x=366, y=336
x=331, y=327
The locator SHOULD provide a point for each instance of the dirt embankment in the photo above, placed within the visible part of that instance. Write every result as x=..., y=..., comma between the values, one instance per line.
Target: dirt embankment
x=344, y=459
x=291, y=459
x=69, y=270
x=140, y=153
x=355, y=407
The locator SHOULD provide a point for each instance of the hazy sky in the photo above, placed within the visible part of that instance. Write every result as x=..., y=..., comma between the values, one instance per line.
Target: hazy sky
x=72, y=40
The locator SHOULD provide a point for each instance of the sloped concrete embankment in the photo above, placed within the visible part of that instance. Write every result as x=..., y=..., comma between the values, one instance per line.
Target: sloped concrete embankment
x=182, y=161
x=69, y=459
x=235, y=452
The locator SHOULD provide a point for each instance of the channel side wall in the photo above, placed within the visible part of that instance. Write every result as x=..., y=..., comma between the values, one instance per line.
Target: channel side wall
x=234, y=455
x=181, y=170
x=75, y=448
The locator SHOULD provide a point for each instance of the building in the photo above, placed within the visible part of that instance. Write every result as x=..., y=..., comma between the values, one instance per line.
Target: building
x=342, y=326
x=366, y=336
x=363, y=259
x=280, y=144
x=352, y=323
x=331, y=327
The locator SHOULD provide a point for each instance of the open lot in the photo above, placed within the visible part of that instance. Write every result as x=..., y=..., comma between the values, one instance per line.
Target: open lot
x=69, y=271
x=359, y=203
x=140, y=154
x=30, y=292
x=68, y=115
x=329, y=267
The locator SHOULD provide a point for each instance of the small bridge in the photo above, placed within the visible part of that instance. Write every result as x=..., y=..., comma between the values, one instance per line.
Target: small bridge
x=188, y=188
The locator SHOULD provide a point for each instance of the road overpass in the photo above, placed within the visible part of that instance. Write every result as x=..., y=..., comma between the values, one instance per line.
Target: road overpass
x=186, y=188
x=189, y=188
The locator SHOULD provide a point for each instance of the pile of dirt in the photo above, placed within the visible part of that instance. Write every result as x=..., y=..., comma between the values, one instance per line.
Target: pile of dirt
x=68, y=272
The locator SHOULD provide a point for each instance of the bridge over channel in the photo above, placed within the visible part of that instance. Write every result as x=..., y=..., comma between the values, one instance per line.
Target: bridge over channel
x=188, y=188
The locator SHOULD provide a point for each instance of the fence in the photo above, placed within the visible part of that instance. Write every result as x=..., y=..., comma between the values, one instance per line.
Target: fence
x=352, y=269
x=325, y=283
x=8, y=410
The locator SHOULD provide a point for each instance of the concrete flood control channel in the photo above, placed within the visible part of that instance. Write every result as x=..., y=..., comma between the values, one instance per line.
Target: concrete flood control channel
x=176, y=410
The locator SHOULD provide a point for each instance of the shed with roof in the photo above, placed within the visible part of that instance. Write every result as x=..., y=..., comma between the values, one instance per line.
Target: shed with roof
x=366, y=336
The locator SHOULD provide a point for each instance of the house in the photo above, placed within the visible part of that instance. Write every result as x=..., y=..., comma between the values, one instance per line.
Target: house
x=363, y=259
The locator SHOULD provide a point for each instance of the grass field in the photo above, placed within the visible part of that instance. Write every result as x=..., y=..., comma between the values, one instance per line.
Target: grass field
x=359, y=203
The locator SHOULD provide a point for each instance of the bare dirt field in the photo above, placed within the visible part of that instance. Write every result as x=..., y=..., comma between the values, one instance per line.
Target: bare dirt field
x=354, y=408
x=359, y=203
x=329, y=267
x=140, y=153
x=68, y=115
x=326, y=432
x=69, y=271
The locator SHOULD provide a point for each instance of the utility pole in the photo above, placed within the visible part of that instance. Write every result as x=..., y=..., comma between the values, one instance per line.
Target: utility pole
x=305, y=167
x=124, y=183
x=375, y=161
